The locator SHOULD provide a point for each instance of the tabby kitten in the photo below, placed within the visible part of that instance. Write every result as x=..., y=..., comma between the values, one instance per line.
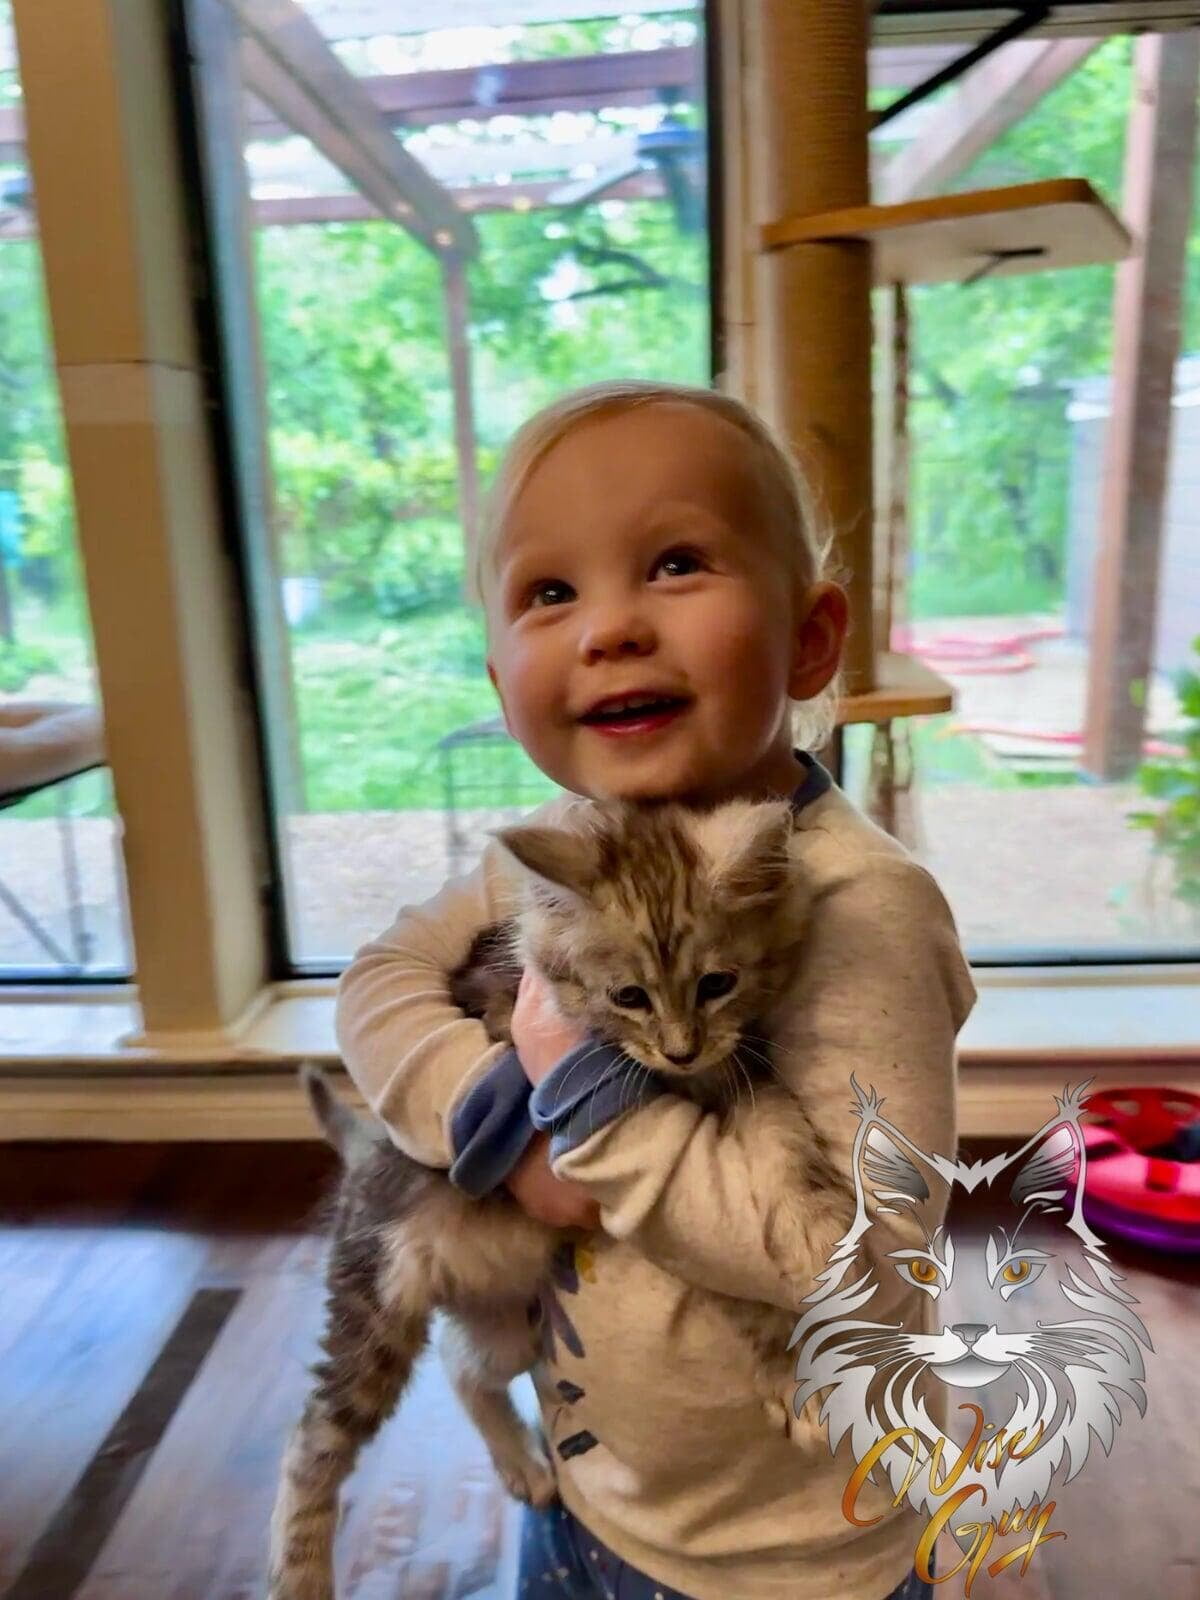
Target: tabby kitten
x=665, y=931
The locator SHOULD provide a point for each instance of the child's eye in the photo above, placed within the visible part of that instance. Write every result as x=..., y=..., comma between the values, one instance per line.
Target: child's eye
x=548, y=585
x=687, y=558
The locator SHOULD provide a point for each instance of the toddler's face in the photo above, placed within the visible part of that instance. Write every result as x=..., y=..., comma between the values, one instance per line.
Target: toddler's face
x=638, y=558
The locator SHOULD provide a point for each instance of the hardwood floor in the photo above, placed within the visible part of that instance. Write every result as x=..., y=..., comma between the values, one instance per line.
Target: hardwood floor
x=158, y=1306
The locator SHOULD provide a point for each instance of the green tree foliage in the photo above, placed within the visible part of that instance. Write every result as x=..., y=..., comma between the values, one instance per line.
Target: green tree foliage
x=994, y=361
x=1174, y=781
x=360, y=406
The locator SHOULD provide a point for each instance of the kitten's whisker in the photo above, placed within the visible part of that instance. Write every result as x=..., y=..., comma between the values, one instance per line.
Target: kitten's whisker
x=599, y=1045
x=745, y=1072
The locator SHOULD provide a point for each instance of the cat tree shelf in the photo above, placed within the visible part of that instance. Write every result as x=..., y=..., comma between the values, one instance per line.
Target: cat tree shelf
x=905, y=687
x=953, y=238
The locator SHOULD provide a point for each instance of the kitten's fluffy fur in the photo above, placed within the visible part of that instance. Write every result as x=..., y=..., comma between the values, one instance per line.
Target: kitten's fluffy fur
x=652, y=898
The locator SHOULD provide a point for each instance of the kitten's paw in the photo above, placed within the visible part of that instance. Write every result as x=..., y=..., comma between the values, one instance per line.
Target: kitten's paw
x=529, y=1476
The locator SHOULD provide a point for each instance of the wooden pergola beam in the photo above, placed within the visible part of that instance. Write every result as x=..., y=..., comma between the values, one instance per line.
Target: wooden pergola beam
x=927, y=22
x=365, y=19
x=480, y=197
x=287, y=63
x=532, y=88
x=520, y=88
x=320, y=208
x=1160, y=156
x=988, y=101
x=420, y=99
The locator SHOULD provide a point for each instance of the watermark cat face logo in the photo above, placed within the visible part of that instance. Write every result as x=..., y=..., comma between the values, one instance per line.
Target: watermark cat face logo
x=1051, y=1383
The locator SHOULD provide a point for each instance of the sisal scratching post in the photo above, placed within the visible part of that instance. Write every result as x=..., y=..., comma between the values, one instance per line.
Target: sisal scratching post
x=808, y=94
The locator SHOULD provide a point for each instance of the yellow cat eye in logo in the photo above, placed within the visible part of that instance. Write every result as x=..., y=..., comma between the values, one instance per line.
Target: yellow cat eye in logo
x=1017, y=1271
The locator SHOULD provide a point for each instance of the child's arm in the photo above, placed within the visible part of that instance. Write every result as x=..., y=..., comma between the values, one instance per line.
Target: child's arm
x=882, y=991
x=410, y=1051
x=449, y=1095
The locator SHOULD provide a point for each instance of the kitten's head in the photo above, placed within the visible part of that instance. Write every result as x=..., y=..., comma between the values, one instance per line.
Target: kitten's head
x=666, y=931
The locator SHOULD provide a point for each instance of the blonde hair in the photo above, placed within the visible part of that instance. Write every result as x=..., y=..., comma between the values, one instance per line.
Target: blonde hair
x=804, y=544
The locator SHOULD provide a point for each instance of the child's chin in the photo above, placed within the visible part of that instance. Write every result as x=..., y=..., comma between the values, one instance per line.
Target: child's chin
x=658, y=777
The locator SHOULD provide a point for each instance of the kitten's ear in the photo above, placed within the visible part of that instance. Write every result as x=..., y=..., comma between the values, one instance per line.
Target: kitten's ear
x=560, y=856
x=747, y=847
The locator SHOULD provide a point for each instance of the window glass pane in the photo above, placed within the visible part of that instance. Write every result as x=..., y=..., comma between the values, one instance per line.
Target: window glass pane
x=562, y=149
x=62, y=900
x=1023, y=804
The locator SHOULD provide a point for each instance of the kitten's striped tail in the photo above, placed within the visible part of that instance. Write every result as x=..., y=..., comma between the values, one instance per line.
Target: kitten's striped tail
x=354, y=1137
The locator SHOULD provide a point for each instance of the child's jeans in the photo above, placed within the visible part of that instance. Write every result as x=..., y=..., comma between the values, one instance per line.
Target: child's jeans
x=560, y=1557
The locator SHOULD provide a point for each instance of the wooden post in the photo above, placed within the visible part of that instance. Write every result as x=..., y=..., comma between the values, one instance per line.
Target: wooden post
x=738, y=375
x=892, y=451
x=164, y=606
x=808, y=95
x=1159, y=166
x=454, y=281
x=890, y=798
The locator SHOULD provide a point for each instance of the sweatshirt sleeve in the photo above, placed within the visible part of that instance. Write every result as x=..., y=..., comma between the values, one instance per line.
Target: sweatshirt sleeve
x=881, y=992
x=447, y=1093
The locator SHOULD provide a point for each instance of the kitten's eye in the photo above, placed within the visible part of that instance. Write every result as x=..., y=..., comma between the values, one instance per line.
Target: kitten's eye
x=923, y=1271
x=714, y=984
x=631, y=998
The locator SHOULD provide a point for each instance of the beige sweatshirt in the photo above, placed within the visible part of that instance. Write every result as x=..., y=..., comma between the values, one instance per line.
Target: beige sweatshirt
x=661, y=1444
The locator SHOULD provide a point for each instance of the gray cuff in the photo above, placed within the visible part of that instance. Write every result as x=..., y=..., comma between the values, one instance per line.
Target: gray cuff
x=592, y=1085
x=490, y=1128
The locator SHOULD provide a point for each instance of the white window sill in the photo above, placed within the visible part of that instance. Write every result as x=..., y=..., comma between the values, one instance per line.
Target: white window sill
x=68, y=1069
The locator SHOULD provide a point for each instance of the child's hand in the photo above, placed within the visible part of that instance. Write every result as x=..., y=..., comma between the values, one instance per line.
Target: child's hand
x=540, y=1034
x=555, y=1201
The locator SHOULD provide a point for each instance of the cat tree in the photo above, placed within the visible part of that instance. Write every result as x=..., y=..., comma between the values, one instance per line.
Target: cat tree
x=799, y=321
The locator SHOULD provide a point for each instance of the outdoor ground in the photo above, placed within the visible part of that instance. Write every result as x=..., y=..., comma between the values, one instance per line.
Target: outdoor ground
x=1026, y=860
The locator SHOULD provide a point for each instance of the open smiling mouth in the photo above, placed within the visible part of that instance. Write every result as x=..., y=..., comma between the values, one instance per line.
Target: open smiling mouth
x=636, y=719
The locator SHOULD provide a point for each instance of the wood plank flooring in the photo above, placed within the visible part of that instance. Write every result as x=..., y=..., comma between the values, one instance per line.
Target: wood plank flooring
x=159, y=1305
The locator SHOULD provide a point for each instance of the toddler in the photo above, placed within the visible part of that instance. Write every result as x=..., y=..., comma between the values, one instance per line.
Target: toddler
x=653, y=543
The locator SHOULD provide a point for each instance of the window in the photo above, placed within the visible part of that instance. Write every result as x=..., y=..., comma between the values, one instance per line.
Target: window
x=62, y=902
x=1058, y=826
x=449, y=225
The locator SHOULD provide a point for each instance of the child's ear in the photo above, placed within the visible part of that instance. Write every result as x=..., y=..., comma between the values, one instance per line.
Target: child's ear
x=491, y=672
x=823, y=615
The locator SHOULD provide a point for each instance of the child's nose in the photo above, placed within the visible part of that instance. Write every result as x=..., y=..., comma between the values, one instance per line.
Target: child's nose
x=617, y=631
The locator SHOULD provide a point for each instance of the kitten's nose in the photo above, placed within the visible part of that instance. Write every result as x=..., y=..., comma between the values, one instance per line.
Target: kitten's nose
x=968, y=1332
x=680, y=1061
